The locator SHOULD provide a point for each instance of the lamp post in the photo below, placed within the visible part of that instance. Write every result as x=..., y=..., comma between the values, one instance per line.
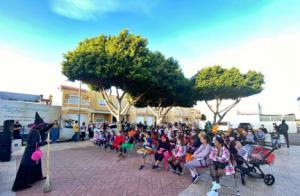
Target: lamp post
x=79, y=105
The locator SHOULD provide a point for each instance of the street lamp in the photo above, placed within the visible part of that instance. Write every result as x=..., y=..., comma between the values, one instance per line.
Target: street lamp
x=79, y=104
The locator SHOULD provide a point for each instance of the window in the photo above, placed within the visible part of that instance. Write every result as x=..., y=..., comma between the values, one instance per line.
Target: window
x=102, y=102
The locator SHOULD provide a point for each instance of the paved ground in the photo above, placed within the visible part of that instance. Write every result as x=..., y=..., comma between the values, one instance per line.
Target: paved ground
x=83, y=169
x=294, y=138
x=285, y=169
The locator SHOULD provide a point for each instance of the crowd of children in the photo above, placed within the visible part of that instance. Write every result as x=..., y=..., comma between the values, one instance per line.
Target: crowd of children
x=180, y=146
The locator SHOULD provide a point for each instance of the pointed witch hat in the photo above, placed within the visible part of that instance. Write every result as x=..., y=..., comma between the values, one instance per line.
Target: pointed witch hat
x=38, y=120
x=39, y=123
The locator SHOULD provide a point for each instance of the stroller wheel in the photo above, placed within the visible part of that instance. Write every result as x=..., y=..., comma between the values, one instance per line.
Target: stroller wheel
x=269, y=179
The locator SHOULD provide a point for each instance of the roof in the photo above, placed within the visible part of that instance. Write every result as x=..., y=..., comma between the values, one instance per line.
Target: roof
x=19, y=97
x=63, y=87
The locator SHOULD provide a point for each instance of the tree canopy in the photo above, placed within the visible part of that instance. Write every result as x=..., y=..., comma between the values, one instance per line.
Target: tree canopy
x=170, y=89
x=122, y=61
x=217, y=83
x=104, y=61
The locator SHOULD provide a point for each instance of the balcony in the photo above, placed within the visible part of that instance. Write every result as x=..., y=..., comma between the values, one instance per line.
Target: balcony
x=76, y=102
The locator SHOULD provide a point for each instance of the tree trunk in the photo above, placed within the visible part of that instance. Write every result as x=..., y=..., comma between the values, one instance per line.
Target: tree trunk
x=165, y=111
x=116, y=109
x=215, y=118
x=119, y=124
x=159, y=120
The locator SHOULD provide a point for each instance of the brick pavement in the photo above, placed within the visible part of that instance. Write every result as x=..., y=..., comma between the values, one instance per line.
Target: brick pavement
x=91, y=171
x=84, y=169
x=285, y=169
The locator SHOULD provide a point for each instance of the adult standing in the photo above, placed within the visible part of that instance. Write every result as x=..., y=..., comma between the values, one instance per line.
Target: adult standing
x=283, y=130
x=82, y=131
x=54, y=132
x=91, y=127
x=76, y=131
x=30, y=171
x=105, y=126
x=17, y=131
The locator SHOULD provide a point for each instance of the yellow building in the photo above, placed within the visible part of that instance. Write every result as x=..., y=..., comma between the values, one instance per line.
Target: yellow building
x=93, y=108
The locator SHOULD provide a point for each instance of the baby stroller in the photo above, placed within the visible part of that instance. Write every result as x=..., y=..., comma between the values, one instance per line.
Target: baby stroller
x=250, y=158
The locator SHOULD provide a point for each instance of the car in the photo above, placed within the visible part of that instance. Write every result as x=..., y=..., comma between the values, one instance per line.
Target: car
x=221, y=127
x=113, y=127
x=245, y=126
x=224, y=126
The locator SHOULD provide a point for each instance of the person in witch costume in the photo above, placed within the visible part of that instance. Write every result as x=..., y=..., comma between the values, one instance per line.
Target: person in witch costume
x=29, y=170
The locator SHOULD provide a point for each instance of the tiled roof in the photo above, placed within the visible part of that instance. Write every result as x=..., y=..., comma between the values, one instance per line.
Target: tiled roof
x=19, y=96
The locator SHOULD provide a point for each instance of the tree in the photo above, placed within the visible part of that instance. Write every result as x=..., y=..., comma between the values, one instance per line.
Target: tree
x=105, y=63
x=218, y=84
x=171, y=89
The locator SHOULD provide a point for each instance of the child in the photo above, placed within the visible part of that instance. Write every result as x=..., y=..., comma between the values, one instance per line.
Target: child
x=127, y=146
x=101, y=139
x=95, y=138
x=250, y=138
x=275, y=140
x=177, y=156
x=147, y=149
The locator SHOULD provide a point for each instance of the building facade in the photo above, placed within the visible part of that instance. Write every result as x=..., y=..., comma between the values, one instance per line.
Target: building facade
x=93, y=108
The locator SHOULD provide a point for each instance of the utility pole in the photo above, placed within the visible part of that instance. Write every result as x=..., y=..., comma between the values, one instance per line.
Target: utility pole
x=79, y=105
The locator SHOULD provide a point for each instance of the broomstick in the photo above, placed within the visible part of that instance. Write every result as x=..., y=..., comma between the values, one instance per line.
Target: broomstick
x=47, y=185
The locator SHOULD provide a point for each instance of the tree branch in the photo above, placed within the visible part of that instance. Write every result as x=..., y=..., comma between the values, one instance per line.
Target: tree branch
x=117, y=93
x=152, y=111
x=233, y=104
x=137, y=98
x=123, y=112
x=228, y=109
x=108, y=100
x=209, y=106
x=167, y=110
x=122, y=96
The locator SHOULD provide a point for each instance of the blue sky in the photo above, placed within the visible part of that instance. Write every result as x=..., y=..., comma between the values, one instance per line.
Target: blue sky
x=34, y=34
x=29, y=23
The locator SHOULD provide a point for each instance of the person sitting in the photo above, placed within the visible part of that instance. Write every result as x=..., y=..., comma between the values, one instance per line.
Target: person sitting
x=178, y=156
x=95, y=137
x=200, y=157
x=260, y=135
x=220, y=157
x=163, y=147
x=118, y=140
x=250, y=138
x=126, y=146
x=147, y=149
x=241, y=137
x=101, y=139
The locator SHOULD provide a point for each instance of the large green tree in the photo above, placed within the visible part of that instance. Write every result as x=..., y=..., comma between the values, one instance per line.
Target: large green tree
x=170, y=89
x=115, y=62
x=217, y=84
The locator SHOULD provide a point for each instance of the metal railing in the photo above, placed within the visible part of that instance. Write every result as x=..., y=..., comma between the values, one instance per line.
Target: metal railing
x=76, y=102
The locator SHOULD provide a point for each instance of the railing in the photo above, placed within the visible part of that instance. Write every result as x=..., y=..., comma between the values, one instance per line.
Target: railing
x=76, y=102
